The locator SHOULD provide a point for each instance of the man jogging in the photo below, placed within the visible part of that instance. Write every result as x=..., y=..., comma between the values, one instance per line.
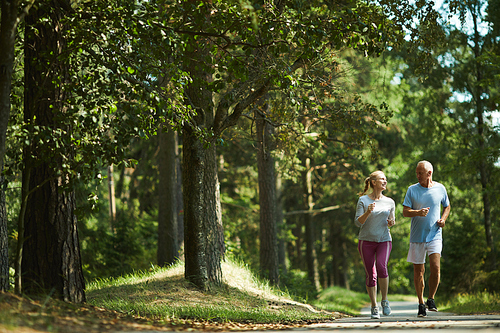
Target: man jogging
x=423, y=203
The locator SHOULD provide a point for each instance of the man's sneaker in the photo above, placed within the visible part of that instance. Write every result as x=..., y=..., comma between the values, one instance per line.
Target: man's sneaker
x=421, y=310
x=431, y=305
x=375, y=314
x=386, y=309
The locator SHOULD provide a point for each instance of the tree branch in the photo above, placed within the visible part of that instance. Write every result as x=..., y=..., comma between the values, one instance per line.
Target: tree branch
x=250, y=99
x=312, y=211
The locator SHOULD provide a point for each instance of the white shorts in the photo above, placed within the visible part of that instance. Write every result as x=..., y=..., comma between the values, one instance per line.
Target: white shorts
x=417, y=251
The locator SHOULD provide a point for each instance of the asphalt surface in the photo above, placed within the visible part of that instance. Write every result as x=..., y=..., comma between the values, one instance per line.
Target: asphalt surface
x=404, y=317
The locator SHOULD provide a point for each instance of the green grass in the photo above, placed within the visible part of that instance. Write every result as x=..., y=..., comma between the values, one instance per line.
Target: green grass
x=164, y=294
x=342, y=300
x=482, y=302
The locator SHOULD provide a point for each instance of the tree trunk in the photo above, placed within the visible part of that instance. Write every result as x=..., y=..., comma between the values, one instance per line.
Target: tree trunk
x=295, y=250
x=4, y=239
x=215, y=247
x=269, y=264
x=180, y=205
x=9, y=21
x=484, y=179
x=51, y=263
x=203, y=234
x=112, y=198
x=168, y=250
x=194, y=201
x=280, y=221
x=9, y=10
x=311, y=258
x=478, y=93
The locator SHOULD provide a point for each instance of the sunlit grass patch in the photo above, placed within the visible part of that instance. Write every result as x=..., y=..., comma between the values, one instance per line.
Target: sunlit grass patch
x=164, y=294
x=342, y=300
x=482, y=302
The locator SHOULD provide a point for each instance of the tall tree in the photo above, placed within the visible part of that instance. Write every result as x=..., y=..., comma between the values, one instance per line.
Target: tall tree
x=311, y=256
x=168, y=244
x=268, y=236
x=471, y=72
x=51, y=260
x=4, y=240
x=10, y=16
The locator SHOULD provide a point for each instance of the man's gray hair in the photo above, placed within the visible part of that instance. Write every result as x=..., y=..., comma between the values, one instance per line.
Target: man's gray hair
x=427, y=165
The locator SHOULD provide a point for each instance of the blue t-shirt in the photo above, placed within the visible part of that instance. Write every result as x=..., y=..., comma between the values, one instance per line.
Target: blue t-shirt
x=425, y=229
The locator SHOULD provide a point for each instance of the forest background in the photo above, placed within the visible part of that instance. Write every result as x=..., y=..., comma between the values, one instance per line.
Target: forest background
x=141, y=133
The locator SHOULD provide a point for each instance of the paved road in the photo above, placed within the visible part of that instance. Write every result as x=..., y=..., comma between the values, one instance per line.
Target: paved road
x=404, y=316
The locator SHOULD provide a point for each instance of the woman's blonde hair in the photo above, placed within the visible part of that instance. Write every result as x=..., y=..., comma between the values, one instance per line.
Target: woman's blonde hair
x=368, y=180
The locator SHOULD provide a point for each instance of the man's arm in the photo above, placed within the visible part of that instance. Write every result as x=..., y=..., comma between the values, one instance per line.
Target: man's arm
x=408, y=212
x=446, y=212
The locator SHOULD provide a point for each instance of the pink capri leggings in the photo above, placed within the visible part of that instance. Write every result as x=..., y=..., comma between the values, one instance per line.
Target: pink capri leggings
x=375, y=257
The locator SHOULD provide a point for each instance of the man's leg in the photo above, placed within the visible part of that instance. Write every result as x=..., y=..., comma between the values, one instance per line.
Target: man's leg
x=418, y=276
x=434, y=278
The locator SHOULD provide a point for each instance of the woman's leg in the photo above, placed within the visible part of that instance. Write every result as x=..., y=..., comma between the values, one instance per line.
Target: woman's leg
x=366, y=250
x=383, y=252
x=372, y=292
x=384, y=287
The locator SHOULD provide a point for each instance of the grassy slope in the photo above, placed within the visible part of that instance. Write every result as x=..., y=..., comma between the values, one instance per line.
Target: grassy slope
x=163, y=300
x=164, y=294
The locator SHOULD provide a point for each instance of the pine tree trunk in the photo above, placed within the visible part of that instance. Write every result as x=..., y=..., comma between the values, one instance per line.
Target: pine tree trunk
x=112, y=198
x=9, y=11
x=203, y=233
x=194, y=201
x=168, y=250
x=215, y=246
x=9, y=21
x=280, y=222
x=311, y=258
x=4, y=240
x=269, y=264
x=478, y=92
x=51, y=263
x=180, y=205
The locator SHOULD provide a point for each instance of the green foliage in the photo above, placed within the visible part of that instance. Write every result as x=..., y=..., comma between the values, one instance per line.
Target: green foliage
x=115, y=248
x=299, y=286
x=132, y=246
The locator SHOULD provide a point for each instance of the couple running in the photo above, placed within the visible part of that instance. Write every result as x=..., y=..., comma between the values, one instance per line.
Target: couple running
x=375, y=214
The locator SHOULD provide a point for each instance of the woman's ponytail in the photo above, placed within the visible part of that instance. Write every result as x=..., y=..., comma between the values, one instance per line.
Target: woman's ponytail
x=367, y=185
x=368, y=180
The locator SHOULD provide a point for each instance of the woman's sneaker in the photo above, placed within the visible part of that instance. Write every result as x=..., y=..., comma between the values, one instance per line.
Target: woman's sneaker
x=431, y=305
x=386, y=309
x=421, y=310
x=375, y=314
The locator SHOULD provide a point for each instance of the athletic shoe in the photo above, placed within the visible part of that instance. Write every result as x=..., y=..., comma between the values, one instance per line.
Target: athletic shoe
x=431, y=305
x=421, y=310
x=375, y=314
x=386, y=309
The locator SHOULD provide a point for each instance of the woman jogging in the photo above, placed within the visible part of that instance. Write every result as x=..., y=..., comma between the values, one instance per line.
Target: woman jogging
x=374, y=216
